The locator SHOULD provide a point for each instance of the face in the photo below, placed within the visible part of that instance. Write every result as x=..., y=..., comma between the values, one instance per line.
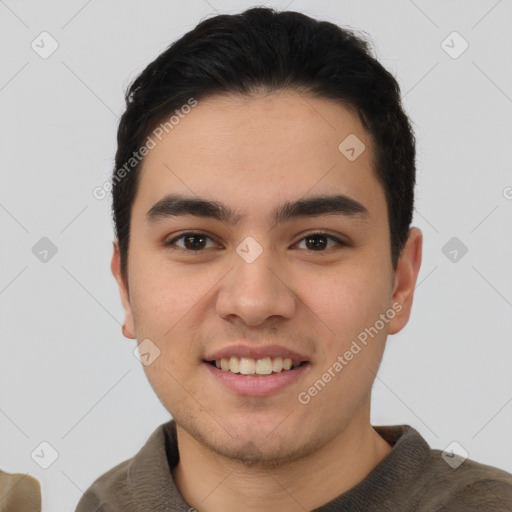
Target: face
x=253, y=284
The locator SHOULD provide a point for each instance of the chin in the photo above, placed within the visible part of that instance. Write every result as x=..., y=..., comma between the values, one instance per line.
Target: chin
x=260, y=454
x=252, y=443
x=270, y=433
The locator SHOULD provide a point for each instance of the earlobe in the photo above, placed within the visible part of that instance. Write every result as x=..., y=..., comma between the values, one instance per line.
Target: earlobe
x=128, y=328
x=406, y=276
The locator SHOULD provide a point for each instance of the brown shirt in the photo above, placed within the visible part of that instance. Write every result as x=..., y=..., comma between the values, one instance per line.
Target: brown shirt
x=412, y=477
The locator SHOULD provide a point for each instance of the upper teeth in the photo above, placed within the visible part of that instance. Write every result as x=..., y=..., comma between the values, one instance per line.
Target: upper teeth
x=247, y=366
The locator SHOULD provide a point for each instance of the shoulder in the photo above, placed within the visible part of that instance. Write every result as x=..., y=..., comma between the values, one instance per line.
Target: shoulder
x=112, y=482
x=117, y=489
x=471, y=486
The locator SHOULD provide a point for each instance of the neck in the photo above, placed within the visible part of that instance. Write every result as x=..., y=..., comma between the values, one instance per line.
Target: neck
x=211, y=483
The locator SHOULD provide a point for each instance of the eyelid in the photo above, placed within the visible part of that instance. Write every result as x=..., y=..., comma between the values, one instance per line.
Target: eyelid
x=337, y=239
x=172, y=241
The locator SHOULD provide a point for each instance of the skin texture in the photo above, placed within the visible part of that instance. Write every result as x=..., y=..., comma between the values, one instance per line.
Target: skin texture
x=253, y=153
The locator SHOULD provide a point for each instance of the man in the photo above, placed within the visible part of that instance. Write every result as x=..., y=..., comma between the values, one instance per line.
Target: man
x=262, y=197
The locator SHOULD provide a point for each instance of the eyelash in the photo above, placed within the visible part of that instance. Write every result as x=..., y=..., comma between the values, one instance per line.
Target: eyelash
x=171, y=242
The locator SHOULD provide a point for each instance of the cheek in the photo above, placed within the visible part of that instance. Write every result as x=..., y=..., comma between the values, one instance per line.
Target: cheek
x=168, y=308
x=160, y=297
x=346, y=302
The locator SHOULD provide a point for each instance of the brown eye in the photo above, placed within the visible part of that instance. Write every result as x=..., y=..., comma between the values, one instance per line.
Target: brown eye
x=192, y=242
x=319, y=241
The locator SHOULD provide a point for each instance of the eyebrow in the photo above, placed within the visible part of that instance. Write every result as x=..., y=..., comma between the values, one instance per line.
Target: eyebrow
x=175, y=205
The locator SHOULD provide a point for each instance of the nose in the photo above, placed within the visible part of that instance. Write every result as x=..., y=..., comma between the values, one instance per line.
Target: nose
x=256, y=291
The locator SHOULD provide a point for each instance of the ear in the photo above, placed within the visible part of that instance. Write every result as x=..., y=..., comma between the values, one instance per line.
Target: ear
x=115, y=265
x=406, y=275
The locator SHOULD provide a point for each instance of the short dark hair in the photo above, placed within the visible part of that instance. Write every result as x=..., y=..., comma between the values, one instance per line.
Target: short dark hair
x=262, y=48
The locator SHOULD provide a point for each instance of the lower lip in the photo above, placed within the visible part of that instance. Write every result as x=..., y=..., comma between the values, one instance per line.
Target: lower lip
x=258, y=385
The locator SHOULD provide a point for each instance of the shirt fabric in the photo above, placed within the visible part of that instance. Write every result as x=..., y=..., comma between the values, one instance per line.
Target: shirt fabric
x=411, y=478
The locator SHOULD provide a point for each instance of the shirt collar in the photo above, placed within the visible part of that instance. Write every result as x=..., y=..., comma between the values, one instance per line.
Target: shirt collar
x=150, y=479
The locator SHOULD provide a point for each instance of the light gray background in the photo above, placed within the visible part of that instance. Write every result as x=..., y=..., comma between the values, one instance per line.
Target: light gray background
x=69, y=377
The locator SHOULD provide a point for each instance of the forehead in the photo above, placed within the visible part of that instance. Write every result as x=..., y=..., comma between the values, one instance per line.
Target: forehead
x=277, y=146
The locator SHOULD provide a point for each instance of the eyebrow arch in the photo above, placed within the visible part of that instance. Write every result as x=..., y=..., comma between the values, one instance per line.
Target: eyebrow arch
x=175, y=205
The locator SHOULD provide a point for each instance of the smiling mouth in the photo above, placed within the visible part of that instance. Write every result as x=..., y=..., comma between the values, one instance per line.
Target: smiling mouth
x=258, y=367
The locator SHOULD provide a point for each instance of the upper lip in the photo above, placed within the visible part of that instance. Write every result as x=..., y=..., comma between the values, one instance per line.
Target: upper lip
x=253, y=352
